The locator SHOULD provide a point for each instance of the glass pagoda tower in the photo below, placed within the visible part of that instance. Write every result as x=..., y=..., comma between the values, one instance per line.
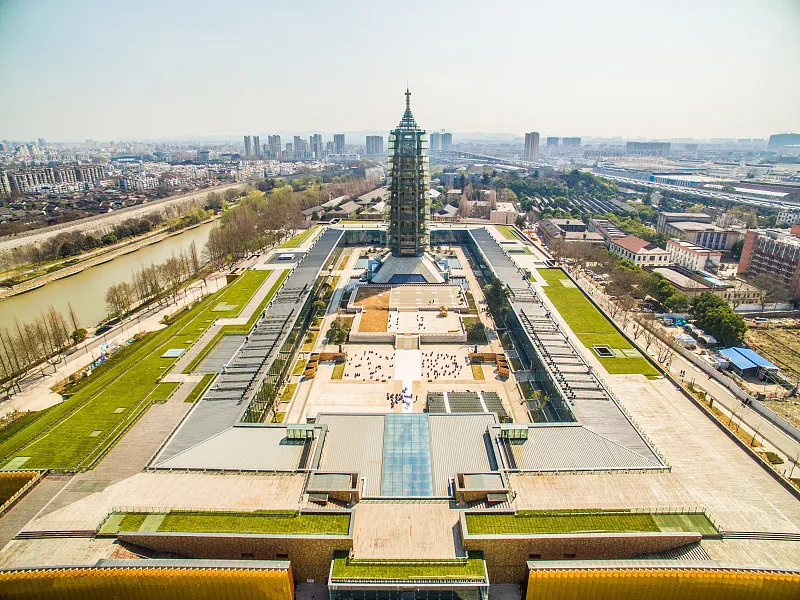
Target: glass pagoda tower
x=408, y=180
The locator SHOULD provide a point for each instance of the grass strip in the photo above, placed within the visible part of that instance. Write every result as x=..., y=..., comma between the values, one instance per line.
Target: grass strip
x=266, y=522
x=299, y=239
x=163, y=391
x=470, y=568
x=201, y=387
x=510, y=524
x=589, y=324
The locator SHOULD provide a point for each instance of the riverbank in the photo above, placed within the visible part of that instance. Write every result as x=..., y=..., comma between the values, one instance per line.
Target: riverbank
x=95, y=258
x=88, y=224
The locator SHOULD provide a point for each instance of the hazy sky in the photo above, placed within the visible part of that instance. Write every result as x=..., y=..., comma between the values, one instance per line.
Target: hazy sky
x=118, y=69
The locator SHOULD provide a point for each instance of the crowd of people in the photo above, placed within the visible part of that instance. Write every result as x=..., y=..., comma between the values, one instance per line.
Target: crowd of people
x=441, y=365
x=369, y=365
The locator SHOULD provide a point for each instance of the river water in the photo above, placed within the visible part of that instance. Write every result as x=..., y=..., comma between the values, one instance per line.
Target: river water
x=86, y=291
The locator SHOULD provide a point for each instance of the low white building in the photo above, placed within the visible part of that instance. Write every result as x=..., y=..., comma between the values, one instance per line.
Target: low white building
x=692, y=256
x=789, y=216
x=639, y=251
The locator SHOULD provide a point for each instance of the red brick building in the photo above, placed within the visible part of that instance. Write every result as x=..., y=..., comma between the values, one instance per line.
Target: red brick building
x=775, y=255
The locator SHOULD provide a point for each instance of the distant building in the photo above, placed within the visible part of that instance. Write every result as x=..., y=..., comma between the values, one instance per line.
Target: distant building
x=374, y=144
x=248, y=146
x=571, y=141
x=704, y=234
x=639, y=251
x=504, y=213
x=775, y=255
x=692, y=256
x=779, y=141
x=274, y=146
x=647, y=148
x=256, y=146
x=531, y=146
x=203, y=155
x=5, y=185
x=789, y=216
x=436, y=142
x=569, y=230
x=607, y=229
x=338, y=143
x=668, y=217
x=447, y=142
x=316, y=146
x=300, y=148
x=552, y=142
x=691, y=283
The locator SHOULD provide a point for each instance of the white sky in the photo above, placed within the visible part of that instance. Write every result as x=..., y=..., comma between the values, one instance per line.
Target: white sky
x=72, y=70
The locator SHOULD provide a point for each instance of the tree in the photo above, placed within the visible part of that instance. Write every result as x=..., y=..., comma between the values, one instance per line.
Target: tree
x=736, y=249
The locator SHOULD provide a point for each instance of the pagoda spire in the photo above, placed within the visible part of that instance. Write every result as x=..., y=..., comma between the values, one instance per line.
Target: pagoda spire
x=408, y=122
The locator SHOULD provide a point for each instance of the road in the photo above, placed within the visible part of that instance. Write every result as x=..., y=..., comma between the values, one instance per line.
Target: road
x=724, y=400
x=107, y=220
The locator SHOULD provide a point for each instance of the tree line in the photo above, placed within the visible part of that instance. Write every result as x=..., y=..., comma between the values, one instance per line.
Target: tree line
x=152, y=282
x=41, y=342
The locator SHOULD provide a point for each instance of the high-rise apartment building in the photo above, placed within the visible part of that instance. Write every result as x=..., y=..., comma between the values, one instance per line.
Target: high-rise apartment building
x=571, y=141
x=317, y=147
x=435, y=144
x=338, y=143
x=531, y=146
x=552, y=142
x=374, y=144
x=256, y=146
x=5, y=185
x=301, y=148
x=274, y=146
x=447, y=142
x=248, y=146
x=407, y=182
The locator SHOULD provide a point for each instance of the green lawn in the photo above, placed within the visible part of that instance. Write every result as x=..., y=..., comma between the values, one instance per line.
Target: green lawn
x=163, y=391
x=80, y=427
x=538, y=522
x=470, y=568
x=590, y=325
x=300, y=238
x=507, y=231
x=268, y=522
x=288, y=392
x=201, y=387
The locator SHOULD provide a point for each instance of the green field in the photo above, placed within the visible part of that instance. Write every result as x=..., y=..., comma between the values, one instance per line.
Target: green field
x=268, y=522
x=470, y=568
x=544, y=522
x=590, y=325
x=299, y=239
x=76, y=432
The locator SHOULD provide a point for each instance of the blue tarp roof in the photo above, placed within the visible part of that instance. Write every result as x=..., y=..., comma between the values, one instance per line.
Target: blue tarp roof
x=744, y=358
x=755, y=357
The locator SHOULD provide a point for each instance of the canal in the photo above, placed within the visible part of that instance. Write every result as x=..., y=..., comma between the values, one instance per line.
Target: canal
x=86, y=291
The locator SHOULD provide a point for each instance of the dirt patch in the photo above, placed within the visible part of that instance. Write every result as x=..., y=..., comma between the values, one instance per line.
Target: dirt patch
x=375, y=302
x=778, y=345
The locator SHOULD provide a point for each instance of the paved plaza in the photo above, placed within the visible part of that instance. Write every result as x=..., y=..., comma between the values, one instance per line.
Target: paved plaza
x=423, y=321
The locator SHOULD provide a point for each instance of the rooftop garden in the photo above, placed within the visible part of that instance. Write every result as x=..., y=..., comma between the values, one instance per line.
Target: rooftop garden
x=261, y=521
x=590, y=325
x=300, y=238
x=470, y=568
x=586, y=521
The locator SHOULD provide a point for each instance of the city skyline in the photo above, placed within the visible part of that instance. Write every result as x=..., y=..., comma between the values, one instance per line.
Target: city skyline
x=181, y=82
